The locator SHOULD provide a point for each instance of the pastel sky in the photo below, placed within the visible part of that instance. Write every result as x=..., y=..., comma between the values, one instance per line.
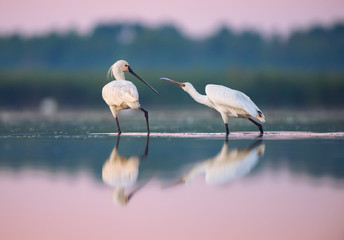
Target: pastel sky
x=195, y=18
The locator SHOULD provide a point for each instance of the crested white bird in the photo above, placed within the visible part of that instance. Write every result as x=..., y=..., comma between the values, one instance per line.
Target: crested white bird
x=122, y=94
x=226, y=166
x=226, y=101
x=121, y=172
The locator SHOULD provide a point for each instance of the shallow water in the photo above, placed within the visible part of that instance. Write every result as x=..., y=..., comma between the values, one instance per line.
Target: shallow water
x=72, y=184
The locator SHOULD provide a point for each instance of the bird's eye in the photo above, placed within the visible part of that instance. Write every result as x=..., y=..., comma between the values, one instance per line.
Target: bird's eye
x=126, y=65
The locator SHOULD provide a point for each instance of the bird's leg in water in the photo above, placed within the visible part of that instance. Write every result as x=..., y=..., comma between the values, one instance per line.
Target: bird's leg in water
x=255, y=144
x=145, y=154
x=258, y=125
x=227, y=129
x=146, y=116
x=117, y=142
x=114, y=114
x=118, y=128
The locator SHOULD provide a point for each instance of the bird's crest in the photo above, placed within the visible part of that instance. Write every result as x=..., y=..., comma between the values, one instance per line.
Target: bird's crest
x=110, y=75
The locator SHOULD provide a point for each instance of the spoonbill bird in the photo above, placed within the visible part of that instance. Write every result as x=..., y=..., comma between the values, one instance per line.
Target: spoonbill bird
x=122, y=94
x=120, y=173
x=227, y=165
x=226, y=101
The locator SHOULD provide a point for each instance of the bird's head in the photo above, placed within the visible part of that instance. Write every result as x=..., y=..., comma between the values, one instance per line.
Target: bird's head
x=119, y=198
x=184, y=85
x=123, y=66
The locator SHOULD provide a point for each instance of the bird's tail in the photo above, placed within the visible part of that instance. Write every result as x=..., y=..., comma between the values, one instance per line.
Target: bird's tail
x=261, y=117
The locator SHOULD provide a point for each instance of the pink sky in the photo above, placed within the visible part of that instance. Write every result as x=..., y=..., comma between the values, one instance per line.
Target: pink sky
x=195, y=18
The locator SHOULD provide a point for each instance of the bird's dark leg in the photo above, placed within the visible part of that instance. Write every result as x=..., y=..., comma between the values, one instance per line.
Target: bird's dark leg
x=145, y=154
x=258, y=125
x=117, y=142
x=146, y=116
x=118, y=128
x=227, y=129
x=226, y=140
x=255, y=144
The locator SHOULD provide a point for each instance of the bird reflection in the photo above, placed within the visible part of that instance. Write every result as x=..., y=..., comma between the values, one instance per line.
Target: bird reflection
x=227, y=165
x=121, y=173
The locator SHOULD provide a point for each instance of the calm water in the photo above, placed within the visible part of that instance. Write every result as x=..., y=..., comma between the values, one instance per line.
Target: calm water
x=69, y=184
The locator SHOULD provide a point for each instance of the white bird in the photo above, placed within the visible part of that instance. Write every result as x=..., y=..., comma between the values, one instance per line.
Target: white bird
x=226, y=166
x=122, y=94
x=226, y=101
x=121, y=173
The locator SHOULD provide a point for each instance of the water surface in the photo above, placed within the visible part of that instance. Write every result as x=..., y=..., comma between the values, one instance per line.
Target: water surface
x=183, y=188
x=69, y=183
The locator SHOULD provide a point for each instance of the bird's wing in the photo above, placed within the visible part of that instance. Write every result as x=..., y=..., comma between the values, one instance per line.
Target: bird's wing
x=235, y=164
x=117, y=92
x=221, y=95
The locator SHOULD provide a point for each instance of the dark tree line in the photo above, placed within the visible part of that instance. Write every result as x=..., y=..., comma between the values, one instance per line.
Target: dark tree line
x=305, y=70
x=318, y=48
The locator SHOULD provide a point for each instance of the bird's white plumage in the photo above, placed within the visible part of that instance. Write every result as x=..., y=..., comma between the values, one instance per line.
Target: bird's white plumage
x=119, y=171
x=226, y=101
x=121, y=94
x=226, y=166
x=235, y=102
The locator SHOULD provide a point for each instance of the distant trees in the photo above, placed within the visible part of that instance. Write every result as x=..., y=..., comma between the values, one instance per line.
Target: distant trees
x=318, y=48
x=305, y=70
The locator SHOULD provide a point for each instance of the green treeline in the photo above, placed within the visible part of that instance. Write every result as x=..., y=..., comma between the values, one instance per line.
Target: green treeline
x=306, y=69
x=165, y=47
x=267, y=88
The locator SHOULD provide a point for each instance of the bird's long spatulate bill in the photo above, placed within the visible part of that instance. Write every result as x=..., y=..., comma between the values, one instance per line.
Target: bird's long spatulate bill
x=132, y=72
x=174, y=82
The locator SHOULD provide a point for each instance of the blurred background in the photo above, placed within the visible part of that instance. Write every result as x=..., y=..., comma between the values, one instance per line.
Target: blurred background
x=284, y=55
x=287, y=55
